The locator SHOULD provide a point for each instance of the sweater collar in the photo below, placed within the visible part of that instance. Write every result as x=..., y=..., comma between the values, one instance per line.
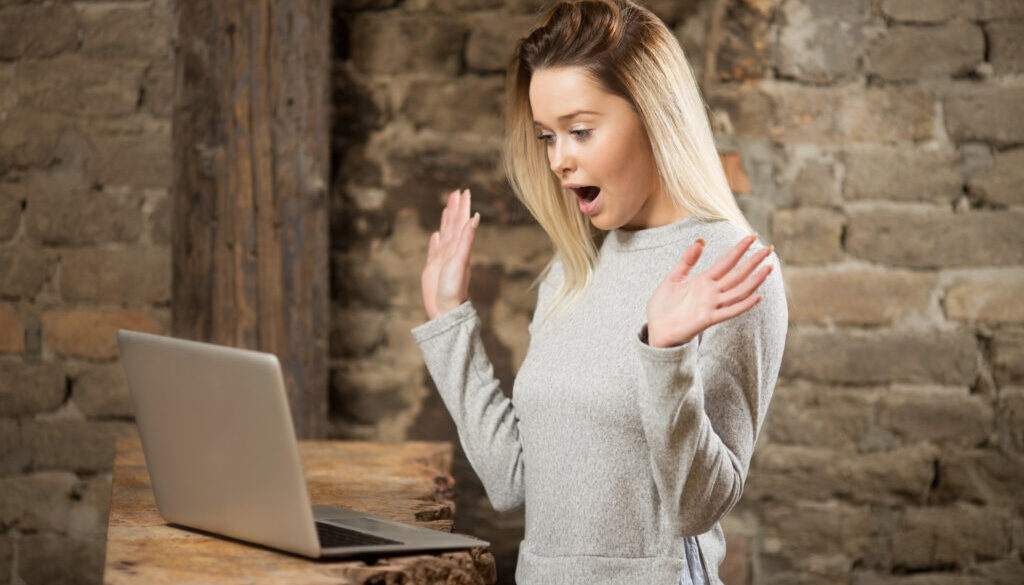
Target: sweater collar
x=623, y=240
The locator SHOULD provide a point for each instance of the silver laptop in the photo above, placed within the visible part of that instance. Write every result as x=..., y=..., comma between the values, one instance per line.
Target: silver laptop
x=222, y=456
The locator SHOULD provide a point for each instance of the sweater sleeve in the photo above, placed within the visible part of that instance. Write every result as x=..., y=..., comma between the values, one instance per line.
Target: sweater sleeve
x=702, y=405
x=484, y=417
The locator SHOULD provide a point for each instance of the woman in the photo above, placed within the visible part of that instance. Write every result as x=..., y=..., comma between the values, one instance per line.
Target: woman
x=654, y=347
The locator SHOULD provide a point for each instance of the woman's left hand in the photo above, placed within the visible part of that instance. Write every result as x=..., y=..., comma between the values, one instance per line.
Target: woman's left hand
x=680, y=308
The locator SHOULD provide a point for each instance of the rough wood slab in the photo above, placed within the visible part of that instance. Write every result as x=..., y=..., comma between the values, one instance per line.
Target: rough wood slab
x=408, y=482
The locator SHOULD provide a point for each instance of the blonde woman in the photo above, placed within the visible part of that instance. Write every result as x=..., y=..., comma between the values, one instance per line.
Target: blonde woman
x=660, y=322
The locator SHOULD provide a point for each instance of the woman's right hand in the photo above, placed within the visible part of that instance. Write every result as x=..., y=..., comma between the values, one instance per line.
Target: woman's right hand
x=445, y=278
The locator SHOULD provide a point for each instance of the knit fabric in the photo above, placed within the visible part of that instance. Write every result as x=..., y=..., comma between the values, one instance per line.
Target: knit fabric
x=619, y=450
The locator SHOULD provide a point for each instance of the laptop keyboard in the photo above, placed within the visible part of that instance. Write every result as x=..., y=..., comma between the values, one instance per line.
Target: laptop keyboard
x=333, y=536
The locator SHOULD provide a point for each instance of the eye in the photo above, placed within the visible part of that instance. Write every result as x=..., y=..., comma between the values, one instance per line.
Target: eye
x=582, y=133
x=546, y=138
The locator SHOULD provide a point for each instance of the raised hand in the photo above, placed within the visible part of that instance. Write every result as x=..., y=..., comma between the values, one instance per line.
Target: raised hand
x=445, y=278
x=680, y=308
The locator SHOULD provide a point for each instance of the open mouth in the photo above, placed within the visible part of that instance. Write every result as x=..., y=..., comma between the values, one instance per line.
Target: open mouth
x=587, y=194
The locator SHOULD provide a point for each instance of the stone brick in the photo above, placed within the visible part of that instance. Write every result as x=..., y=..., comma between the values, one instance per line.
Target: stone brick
x=90, y=507
x=817, y=416
x=75, y=445
x=23, y=270
x=83, y=217
x=532, y=246
x=72, y=84
x=745, y=48
x=1001, y=572
x=101, y=390
x=91, y=333
x=816, y=184
x=1006, y=46
x=902, y=174
x=123, y=31
x=1011, y=418
x=924, y=578
x=983, y=477
x=425, y=173
x=12, y=333
x=30, y=388
x=1003, y=184
x=28, y=139
x=393, y=42
x=936, y=537
x=819, y=536
x=795, y=473
x=987, y=113
x=158, y=89
x=910, y=237
x=160, y=222
x=367, y=393
x=899, y=113
x=941, y=10
x=910, y=52
x=818, y=44
x=732, y=164
x=6, y=558
x=38, y=502
x=745, y=110
x=139, y=157
x=856, y=297
x=987, y=299
x=1008, y=357
x=941, y=416
x=804, y=113
x=50, y=558
x=808, y=235
x=10, y=214
x=859, y=357
x=450, y=6
x=492, y=40
x=464, y=104
x=355, y=332
x=37, y=30
x=129, y=275
x=15, y=452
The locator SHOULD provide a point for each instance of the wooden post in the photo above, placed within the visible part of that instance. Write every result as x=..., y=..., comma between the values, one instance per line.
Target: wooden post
x=249, y=232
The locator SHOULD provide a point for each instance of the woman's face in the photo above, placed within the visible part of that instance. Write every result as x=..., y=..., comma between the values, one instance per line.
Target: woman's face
x=598, y=149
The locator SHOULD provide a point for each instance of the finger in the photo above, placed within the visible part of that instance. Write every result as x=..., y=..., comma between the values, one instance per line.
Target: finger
x=466, y=237
x=462, y=213
x=741, y=272
x=434, y=246
x=747, y=288
x=446, y=217
x=726, y=313
x=726, y=262
x=688, y=261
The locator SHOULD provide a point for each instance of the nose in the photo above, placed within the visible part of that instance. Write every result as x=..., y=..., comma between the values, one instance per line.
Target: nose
x=562, y=162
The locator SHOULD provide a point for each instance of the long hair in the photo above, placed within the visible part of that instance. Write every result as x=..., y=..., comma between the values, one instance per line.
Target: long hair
x=630, y=53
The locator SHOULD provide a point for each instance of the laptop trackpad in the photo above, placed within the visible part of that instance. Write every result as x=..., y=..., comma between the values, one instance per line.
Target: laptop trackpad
x=365, y=524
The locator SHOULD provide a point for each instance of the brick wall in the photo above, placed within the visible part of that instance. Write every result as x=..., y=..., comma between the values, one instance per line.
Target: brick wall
x=85, y=98
x=879, y=144
x=882, y=143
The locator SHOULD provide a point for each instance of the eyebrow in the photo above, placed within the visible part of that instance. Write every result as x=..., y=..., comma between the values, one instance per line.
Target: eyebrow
x=570, y=116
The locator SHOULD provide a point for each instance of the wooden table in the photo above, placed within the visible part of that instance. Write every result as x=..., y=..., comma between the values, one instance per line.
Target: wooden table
x=407, y=482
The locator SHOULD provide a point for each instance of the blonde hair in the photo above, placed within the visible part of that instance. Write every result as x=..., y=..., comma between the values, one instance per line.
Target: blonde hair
x=628, y=51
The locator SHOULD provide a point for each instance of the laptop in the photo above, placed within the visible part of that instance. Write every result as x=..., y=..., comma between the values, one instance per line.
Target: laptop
x=220, y=447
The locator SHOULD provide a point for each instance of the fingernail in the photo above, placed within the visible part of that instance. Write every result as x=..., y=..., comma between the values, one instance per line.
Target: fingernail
x=476, y=219
x=701, y=242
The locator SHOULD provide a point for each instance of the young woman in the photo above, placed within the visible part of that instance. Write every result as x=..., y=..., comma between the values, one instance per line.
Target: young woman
x=660, y=322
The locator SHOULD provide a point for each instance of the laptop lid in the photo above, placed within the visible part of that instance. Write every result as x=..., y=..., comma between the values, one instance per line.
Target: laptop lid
x=218, y=439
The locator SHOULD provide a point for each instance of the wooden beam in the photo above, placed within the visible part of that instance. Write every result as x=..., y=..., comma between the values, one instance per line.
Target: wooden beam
x=249, y=232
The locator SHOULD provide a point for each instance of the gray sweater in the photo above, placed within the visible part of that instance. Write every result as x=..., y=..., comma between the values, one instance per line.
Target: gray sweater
x=619, y=450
